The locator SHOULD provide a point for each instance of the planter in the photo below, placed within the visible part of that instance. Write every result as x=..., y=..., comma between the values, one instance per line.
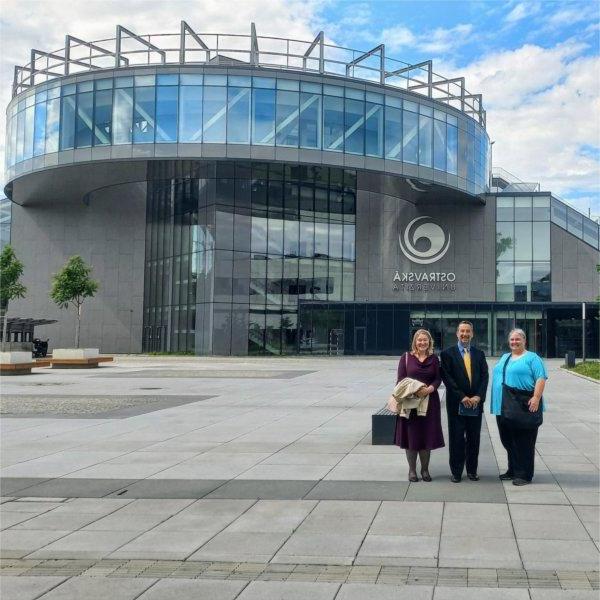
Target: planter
x=16, y=363
x=75, y=353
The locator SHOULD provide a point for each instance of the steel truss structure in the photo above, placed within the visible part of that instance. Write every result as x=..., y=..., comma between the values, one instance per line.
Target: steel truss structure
x=187, y=47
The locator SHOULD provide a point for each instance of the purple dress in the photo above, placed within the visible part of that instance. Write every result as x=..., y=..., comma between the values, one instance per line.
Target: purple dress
x=421, y=433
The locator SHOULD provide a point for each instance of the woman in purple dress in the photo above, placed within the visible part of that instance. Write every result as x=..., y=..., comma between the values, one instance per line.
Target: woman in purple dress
x=420, y=435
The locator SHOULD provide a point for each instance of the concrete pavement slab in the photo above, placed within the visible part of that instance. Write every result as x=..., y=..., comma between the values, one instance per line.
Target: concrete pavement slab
x=16, y=543
x=241, y=546
x=479, y=552
x=360, y=591
x=92, y=588
x=263, y=489
x=358, y=490
x=289, y=590
x=475, y=593
x=27, y=588
x=196, y=589
x=84, y=544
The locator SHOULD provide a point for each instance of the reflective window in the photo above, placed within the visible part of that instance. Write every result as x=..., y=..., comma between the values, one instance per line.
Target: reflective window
x=287, y=118
x=238, y=115
x=374, y=130
x=410, y=139
x=310, y=120
x=67, y=122
x=122, y=116
x=541, y=241
x=29, y=130
x=355, y=130
x=263, y=116
x=425, y=141
x=452, y=150
x=333, y=123
x=166, y=112
x=505, y=241
x=523, y=205
x=84, y=120
x=541, y=208
x=103, y=117
x=439, y=145
x=523, y=250
x=39, y=141
x=190, y=113
x=393, y=133
x=214, y=110
x=144, y=115
x=505, y=209
x=52, y=125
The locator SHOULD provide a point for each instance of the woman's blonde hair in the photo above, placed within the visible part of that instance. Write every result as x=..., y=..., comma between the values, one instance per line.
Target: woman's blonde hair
x=413, y=346
x=518, y=332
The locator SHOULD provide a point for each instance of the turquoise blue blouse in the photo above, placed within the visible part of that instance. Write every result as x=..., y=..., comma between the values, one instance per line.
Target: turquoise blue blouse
x=521, y=373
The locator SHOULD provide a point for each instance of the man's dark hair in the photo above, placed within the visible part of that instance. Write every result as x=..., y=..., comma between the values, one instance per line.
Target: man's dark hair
x=466, y=323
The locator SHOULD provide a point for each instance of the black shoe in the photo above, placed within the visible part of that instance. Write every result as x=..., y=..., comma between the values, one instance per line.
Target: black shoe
x=412, y=477
x=426, y=476
x=473, y=476
x=455, y=479
x=506, y=476
x=518, y=481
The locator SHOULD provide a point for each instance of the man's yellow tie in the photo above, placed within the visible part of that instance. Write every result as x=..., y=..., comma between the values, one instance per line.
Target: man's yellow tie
x=467, y=359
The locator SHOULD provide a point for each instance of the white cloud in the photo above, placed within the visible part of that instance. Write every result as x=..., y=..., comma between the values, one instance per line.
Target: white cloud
x=522, y=11
x=542, y=111
x=572, y=15
x=435, y=41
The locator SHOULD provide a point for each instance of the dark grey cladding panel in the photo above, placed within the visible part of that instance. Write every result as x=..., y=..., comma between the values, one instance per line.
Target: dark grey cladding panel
x=573, y=264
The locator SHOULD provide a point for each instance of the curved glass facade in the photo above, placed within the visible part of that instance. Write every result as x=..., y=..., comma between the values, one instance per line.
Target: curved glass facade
x=241, y=109
x=231, y=249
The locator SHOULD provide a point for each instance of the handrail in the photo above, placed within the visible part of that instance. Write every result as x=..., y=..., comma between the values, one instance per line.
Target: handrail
x=128, y=50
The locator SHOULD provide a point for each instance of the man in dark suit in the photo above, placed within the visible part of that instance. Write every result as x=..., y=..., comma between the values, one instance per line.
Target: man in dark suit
x=465, y=374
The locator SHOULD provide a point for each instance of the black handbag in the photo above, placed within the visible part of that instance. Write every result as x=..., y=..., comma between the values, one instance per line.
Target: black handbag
x=515, y=406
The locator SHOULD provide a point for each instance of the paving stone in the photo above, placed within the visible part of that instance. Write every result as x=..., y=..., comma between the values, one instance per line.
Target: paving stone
x=26, y=588
x=263, y=489
x=75, y=488
x=169, y=488
x=472, y=593
x=360, y=591
x=358, y=490
x=289, y=590
x=92, y=588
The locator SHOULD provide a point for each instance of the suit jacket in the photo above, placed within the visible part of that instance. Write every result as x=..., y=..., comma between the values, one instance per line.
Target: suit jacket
x=456, y=380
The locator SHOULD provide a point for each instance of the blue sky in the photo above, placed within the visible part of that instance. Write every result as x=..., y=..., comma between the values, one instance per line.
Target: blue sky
x=537, y=63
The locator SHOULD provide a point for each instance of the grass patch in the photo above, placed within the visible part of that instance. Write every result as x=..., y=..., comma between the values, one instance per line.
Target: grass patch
x=589, y=368
x=183, y=353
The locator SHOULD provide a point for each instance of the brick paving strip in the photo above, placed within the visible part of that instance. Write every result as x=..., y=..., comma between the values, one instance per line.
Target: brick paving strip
x=247, y=571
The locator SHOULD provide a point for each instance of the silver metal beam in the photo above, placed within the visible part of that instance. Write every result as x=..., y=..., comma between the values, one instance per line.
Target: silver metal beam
x=320, y=40
x=381, y=50
x=121, y=30
x=185, y=29
x=68, y=45
x=254, y=58
x=425, y=64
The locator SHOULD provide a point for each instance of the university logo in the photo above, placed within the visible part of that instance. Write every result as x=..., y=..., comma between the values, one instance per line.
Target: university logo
x=424, y=228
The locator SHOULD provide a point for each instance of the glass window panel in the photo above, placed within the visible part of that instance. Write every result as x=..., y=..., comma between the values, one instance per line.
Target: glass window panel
x=523, y=245
x=307, y=239
x=333, y=90
x=523, y=208
x=505, y=245
x=104, y=84
x=144, y=80
x=375, y=98
x=85, y=86
x=452, y=150
x=411, y=106
x=264, y=82
x=166, y=113
x=144, y=115
x=320, y=286
x=52, y=125
x=541, y=208
x=590, y=232
x=336, y=237
x=171, y=79
x=355, y=94
x=321, y=240
x=310, y=120
x=103, y=117
x=334, y=280
x=574, y=222
x=68, y=90
x=439, y=145
x=287, y=118
x=275, y=236
x=348, y=251
x=541, y=282
x=348, y=281
x=541, y=241
x=215, y=104
x=559, y=213
x=190, y=113
x=54, y=92
x=263, y=115
x=522, y=282
x=291, y=238
x=333, y=123
x=374, y=129
x=394, y=101
x=355, y=130
x=29, y=131
x=20, y=136
x=439, y=115
x=123, y=82
x=410, y=139
x=505, y=209
x=259, y=235
x=215, y=80
x=84, y=120
x=67, y=122
x=122, y=116
x=39, y=141
x=191, y=79
x=238, y=115
x=314, y=88
x=41, y=96
x=288, y=84
x=505, y=290
x=425, y=141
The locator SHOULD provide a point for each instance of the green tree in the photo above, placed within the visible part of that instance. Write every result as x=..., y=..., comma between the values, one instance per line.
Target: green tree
x=11, y=269
x=72, y=285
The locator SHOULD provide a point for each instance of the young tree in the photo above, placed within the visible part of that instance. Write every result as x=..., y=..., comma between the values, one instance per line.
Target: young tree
x=11, y=269
x=72, y=285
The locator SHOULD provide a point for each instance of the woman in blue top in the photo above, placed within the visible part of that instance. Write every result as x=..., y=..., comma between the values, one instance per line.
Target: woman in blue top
x=525, y=371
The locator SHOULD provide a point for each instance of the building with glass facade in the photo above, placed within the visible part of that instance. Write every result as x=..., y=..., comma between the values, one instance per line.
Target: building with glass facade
x=248, y=195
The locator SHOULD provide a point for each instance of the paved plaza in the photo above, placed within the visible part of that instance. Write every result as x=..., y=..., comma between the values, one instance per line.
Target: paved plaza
x=163, y=477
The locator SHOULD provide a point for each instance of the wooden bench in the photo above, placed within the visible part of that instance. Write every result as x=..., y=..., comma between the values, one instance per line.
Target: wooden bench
x=16, y=368
x=383, y=427
x=79, y=363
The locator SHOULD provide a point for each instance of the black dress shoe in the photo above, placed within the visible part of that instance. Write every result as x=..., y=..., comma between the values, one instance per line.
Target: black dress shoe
x=413, y=477
x=426, y=476
x=505, y=476
x=455, y=479
x=473, y=476
x=518, y=481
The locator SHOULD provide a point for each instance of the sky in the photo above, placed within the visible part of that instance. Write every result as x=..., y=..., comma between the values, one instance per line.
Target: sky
x=537, y=63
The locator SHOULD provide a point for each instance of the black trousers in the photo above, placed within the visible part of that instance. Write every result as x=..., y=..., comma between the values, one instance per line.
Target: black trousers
x=520, y=447
x=464, y=434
